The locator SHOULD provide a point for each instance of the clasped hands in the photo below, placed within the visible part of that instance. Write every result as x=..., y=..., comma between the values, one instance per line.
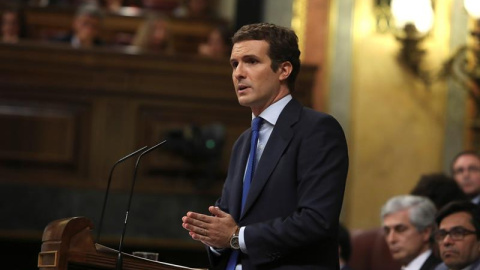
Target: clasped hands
x=214, y=231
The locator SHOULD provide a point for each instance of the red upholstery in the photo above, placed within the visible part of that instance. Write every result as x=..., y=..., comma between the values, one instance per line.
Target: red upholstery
x=370, y=251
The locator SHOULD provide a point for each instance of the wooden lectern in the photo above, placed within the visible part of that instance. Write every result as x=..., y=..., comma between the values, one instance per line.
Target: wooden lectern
x=68, y=244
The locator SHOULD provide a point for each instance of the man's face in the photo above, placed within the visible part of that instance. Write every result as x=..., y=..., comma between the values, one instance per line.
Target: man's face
x=457, y=254
x=216, y=43
x=466, y=172
x=198, y=7
x=160, y=33
x=86, y=28
x=256, y=84
x=404, y=240
x=10, y=24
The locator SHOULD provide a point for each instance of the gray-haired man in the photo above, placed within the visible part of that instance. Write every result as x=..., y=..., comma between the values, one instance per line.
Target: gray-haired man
x=408, y=223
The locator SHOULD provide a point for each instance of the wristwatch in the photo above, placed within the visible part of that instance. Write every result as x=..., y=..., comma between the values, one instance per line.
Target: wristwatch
x=234, y=242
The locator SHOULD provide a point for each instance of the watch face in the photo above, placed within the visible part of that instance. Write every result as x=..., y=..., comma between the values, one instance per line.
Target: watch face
x=234, y=242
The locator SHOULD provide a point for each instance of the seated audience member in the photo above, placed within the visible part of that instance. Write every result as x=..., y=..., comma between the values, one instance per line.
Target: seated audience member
x=439, y=188
x=154, y=35
x=218, y=45
x=86, y=27
x=12, y=26
x=408, y=223
x=466, y=172
x=344, y=247
x=112, y=5
x=195, y=9
x=166, y=6
x=458, y=236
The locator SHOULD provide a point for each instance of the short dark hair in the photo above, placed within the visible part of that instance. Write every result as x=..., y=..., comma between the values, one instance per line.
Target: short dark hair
x=283, y=45
x=344, y=242
x=463, y=153
x=226, y=35
x=439, y=188
x=461, y=206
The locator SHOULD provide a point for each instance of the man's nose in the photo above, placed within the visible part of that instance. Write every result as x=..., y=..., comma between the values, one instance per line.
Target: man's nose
x=447, y=241
x=239, y=72
x=391, y=237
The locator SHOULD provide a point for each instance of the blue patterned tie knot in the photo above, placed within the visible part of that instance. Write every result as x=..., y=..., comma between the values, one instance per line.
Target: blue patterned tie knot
x=256, y=123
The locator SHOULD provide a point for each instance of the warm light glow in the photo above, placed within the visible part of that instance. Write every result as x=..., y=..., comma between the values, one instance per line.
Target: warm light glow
x=473, y=8
x=416, y=12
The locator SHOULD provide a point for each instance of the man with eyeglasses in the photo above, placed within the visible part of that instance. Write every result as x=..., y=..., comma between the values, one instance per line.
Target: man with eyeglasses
x=466, y=172
x=458, y=236
x=408, y=224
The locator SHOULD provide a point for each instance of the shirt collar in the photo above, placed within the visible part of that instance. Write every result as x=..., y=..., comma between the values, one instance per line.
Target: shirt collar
x=75, y=42
x=476, y=200
x=272, y=112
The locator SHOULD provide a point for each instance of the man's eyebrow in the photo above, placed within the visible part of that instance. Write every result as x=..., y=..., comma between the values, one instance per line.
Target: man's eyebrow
x=245, y=56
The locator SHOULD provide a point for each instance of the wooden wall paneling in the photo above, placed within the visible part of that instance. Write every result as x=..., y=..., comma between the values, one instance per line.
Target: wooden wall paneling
x=177, y=121
x=43, y=134
x=132, y=100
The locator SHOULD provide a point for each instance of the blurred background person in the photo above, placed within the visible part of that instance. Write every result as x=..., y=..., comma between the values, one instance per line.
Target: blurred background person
x=112, y=5
x=166, y=6
x=154, y=35
x=219, y=43
x=86, y=27
x=13, y=28
x=466, y=172
x=408, y=222
x=195, y=9
x=439, y=188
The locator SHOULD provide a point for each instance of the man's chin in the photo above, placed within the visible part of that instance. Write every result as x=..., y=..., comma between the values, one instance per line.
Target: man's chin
x=398, y=256
x=244, y=101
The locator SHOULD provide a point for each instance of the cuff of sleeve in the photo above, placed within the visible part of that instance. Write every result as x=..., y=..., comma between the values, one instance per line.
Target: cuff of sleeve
x=241, y=239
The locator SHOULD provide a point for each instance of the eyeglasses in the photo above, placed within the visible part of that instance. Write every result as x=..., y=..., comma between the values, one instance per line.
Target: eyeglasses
x=456, y=233
x=471, y=169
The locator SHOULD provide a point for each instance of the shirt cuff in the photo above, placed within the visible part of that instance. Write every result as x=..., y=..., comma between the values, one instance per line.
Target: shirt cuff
x=241, y=239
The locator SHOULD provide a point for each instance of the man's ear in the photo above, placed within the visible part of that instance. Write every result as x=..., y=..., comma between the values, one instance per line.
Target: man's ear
x=427, y=232
x=285, y=70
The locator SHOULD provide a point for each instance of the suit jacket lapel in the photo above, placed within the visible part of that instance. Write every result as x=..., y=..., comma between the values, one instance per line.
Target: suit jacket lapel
x=430, y=262
x=279, y=139
x=237, y=183
x=476, y=265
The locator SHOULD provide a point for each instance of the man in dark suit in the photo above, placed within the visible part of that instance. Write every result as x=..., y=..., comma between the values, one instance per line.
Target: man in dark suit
x=408, y=223
x=288, y=217
x=458, y=236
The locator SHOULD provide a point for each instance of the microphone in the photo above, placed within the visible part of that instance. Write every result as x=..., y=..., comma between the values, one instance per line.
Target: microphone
x=108, y=188
x=120, y=255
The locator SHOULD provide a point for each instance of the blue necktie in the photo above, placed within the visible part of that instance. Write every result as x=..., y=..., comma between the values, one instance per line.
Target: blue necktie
x=256, y=123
